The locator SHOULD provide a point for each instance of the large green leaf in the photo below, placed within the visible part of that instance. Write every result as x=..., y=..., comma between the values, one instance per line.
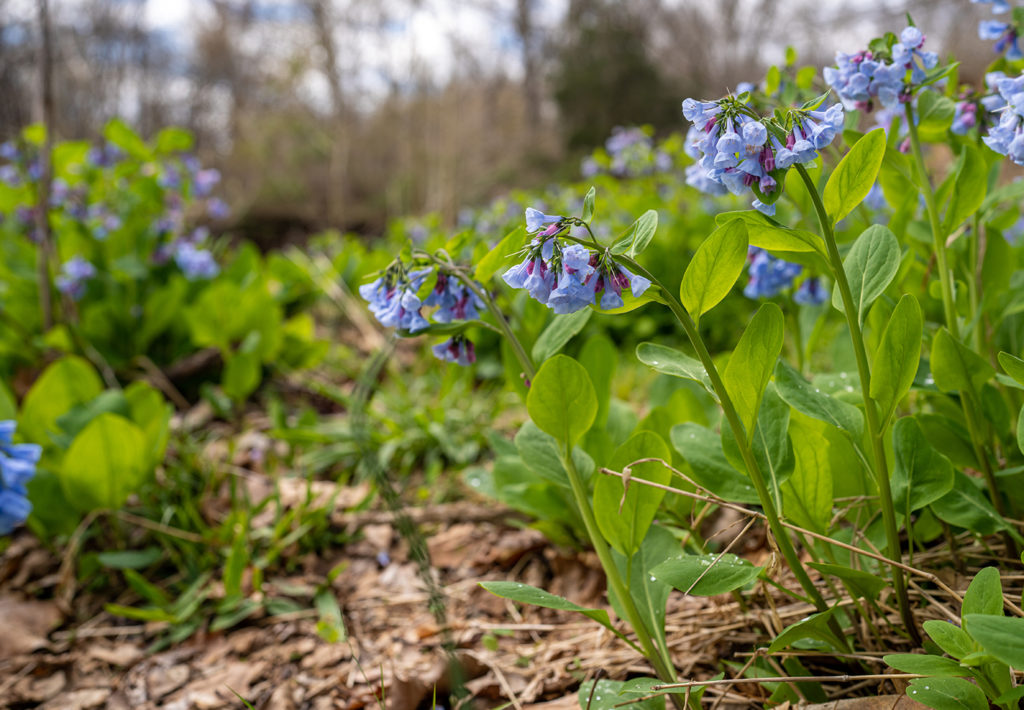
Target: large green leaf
x=542, y=455
x=870, y=266
x=68, y=382
x=955, y=367
x=606, y=695
x=624, y=515
x=921, y=475
x=966, y=507
x=925, y=664
x=560, y=331
x=715, y=266
x=968, y=188
x=1000, y=636
x=947, y=693
x=898, y=355
x=1013, y=366
x=815, y=626
x=771, y=446
x=862, y=583
x=717, y=574
x=562, y=401
x=949, y=637
x=765, y=233
x=852, y=179
x=670, y=361
x=751, y=363
x=106, y=462
x=810, y=400
x=807, y=493
x=638, y=236
x=701, y=448
x=600, y=357
x=984, y=594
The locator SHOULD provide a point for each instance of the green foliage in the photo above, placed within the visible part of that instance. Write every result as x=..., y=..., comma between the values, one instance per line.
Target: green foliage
x=751, y=363
x=714, y=268
x=870, y=266
x=854, y=175
x=562, y=401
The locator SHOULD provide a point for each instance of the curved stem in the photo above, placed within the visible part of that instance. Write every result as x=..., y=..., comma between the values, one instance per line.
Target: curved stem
x=655, y=653
x=753, y=469
x=875, y=430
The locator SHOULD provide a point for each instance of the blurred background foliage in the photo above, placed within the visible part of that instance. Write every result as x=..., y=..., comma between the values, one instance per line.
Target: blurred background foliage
x=348, y=113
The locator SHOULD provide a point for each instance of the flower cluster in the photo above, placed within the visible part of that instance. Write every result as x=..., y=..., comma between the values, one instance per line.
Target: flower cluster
x=1005, y=34
x=866, y=76
x=569, y=277
x=769, y=275
x=393, y=298
x=456, y=349
x=630, y=152
x=738, y=151
x=195, y=263
x=1007, y=137
x=74, y=276
x=454, y=300
x=17, y=467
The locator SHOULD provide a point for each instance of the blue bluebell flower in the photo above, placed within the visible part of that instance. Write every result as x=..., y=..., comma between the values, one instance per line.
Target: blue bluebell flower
x=394, y=301
x=998, y=6
x=456, y=349
x=454, y=300
x=1007, y=137
x=769, y=275
x=811, y=292
x=205, y=180
x=1005, y=34
x=10, y=176
x=537, y=221
x=17, y=467
x=217, y=208
x=876, y=198
x=195, y=263
x=908, y=54
x=75, y=274
x=9, y=151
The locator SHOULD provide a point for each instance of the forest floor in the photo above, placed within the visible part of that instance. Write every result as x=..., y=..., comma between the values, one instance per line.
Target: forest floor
x=511, y=656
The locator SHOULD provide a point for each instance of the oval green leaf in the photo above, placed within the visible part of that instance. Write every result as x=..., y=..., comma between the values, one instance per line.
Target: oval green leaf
x=853, y=177
x=714, y=268
x=562, y=401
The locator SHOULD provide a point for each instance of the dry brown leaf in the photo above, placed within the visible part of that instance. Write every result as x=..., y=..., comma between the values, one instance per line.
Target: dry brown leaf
x=26, y=624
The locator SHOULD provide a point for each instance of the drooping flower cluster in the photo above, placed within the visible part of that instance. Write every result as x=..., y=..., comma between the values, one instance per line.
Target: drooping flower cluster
x=738, y=151
x=455, y=300
x=17, y=467
x=456, y=349
x=1005, y=34
x=810, y=292
x=569, y=277
x=888, y=75
x=393, y=298
x=74, y=276
x=769, y=275
x=195, y=263
x=1007, y=136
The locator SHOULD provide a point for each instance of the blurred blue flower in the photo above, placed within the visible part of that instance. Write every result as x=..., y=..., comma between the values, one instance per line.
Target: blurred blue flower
x=195, y=263
x=811, y=292
x=456, y=349
x=17, y=467
x=769, y=275
x=74, y=276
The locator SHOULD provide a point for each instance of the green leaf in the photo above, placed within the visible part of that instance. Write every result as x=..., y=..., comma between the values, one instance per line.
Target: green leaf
x=64, y=384
x=152, y=415
x=607, y=694
x=330, y=626
x=921, y=474
x=1013, y=366
x=105, y=463
x=721, y=573
x=541, y=453
x=984, y=594
x=624, y=515
x=853, y=177
x=638, y=236
x=588, y=204
x=809, y=400
x=955, y=367
x=8, y=407
x=968, y=189
x=751, y=363
x=501, y=254
x=715, y=266
x=949, y=637
x=926, y=665
x=701, y=448
x=672, y=362
x=935, y=115
x=600, y=358
x=120, y=134
x=766, y=233
x=649, y=593
x=870, y=266
x=815, y=626
x=807, y=493
x=898, y=356
x=562, y=401
x=130, y=559
x=559, y=331
x=862, y=583
x=947, y=693
x=526, y=594
x=1020, y=429
x=242, y=374
x=966, y=507
x=771, y=445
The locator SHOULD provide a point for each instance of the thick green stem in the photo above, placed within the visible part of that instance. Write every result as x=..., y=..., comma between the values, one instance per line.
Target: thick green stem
x=753, y=469
x=655, y=653
x=875, y=431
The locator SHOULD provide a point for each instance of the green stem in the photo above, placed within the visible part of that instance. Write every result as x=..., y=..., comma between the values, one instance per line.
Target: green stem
x=938, y=237
x=655, y=653
x=753, y=469
x=875, y=431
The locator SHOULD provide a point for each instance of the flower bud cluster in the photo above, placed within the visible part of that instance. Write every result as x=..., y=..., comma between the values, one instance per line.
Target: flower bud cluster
x=569, y=277
x=1005, y=34
x=738, y=152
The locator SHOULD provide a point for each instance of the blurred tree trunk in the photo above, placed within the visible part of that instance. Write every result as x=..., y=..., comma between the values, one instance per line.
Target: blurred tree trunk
x=526, y=30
